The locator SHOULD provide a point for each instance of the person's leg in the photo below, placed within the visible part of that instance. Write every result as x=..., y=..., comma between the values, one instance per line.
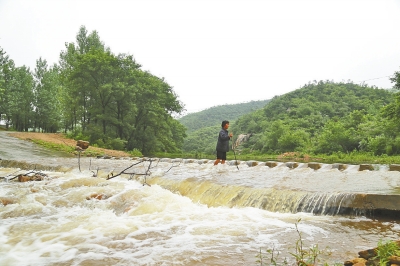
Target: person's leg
x=219, y=157
x=223, y=157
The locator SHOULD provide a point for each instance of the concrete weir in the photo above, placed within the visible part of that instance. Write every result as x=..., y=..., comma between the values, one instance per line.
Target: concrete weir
x=318, y=188
x=323, y=189
x=312, y=165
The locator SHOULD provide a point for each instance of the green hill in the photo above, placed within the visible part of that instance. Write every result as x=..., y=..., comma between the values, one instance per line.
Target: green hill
x=322, y=117
x=215, y=115
x=203, y=127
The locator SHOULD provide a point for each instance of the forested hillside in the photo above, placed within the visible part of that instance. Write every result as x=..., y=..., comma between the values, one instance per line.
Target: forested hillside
x=322, y=117
x=203, y=127
x=214, y=115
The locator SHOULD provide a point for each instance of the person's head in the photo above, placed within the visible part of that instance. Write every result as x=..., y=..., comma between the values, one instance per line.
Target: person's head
x=225, y=124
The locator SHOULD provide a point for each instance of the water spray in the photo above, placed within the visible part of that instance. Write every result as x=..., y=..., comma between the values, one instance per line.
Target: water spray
x=233, y=148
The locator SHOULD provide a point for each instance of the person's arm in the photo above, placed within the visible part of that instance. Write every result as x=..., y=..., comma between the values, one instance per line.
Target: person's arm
x=224, y=135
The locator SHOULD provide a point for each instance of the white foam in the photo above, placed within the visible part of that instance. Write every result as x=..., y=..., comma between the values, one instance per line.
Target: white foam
x=62, y=221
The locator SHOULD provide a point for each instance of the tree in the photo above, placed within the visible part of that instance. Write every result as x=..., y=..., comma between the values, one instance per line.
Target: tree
x=6, y=80
x=112, y=98
x=15, y=94
x=21, y=101
x=47, y=97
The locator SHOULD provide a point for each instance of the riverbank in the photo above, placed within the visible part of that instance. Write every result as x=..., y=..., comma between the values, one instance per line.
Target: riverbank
x=58, y=140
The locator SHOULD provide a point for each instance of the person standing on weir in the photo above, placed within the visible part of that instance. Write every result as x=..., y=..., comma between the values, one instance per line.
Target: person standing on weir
x=223, y=142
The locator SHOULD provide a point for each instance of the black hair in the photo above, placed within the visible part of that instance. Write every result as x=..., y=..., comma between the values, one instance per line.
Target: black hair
x=224, y=123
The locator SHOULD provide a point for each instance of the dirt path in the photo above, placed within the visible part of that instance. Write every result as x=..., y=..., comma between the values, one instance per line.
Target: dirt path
x=59, y=138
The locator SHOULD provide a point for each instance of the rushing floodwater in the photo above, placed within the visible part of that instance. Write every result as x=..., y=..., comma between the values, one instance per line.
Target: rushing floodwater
x=73, y=218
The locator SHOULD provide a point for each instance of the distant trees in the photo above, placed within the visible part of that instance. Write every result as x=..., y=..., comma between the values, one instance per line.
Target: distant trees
x=46, y=100
x=16, y=85
x=98, y=96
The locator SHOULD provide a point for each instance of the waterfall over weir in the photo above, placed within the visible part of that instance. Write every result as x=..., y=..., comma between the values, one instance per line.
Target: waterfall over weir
x=284, y=188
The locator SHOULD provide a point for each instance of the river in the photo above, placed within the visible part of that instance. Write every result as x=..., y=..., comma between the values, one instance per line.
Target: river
x=183, y=212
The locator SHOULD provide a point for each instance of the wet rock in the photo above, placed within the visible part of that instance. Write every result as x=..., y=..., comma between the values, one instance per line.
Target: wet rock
x=6, y=201
x=314, y=166
x=366, y=167
x=367, y=254
x=82, y=145
x=25, y=178
x=97, y=196
x=355, y=262
x=292, y=165
x=339, y=166
x=271, y=164
x=366, y=257
x=394, y=167
x=252, y=163
x=394, y=260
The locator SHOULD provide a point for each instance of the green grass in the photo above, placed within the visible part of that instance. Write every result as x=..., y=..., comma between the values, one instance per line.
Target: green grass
x=67, y=149
x=54, y=147
x=385, y=250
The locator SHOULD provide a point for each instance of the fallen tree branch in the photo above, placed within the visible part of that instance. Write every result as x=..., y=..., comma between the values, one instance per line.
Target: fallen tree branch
x=123, y=171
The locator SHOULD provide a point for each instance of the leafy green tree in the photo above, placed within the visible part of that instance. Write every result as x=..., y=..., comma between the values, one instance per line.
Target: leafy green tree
x=112, y=98
x=21, y=99
x=6, y=81
x=272, y=135
x=335, y=137
x=15, y=94
x=47, y=97
x=75, y=101
x=293, y=140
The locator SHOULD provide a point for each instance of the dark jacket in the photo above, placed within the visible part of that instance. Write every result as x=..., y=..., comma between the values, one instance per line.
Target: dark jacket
x=223, y=141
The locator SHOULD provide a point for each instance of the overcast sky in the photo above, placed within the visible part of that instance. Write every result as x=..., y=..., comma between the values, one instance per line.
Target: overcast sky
x=215, y=52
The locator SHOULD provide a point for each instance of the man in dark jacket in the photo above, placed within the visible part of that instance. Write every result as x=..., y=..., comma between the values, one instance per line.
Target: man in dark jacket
x=223, y=143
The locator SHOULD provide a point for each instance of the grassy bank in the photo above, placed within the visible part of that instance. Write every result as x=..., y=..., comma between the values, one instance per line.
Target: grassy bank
x=59, y=142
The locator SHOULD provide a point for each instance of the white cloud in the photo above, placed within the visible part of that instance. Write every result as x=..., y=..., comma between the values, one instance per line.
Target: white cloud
x=217, y=52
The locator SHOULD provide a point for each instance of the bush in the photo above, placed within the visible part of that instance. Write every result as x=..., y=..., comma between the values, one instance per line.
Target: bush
x=116, y=144
x=135, y=153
